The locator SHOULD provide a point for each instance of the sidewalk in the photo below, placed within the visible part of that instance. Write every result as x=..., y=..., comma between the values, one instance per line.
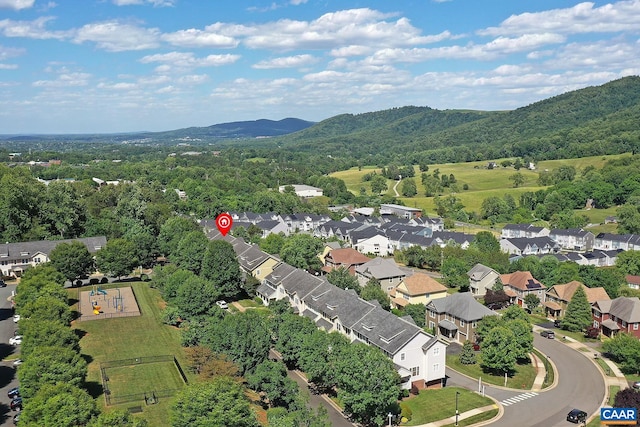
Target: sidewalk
x=542, y=372
x=462, y=416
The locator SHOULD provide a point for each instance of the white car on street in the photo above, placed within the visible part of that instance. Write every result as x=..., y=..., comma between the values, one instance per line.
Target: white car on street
x=17, y=340
x=16, y=318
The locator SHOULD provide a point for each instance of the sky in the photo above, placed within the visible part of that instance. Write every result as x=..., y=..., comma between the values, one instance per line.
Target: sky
x=106, y=66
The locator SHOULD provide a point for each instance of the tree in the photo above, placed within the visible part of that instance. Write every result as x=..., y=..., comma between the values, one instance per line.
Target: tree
x=517, y=178
x=118, y=258
x=217, y=403
x=244, y=337
x=485, y=325
x=207, y=364
x=578, y=314
x=191, y=250
x=373, y=292
x=499, y=351
x=454, y=271
x=72, y=259
x=196, y=297
x=467, y=356
x=320, y=353
x=290, y=334
x=51, y=365
x=220, y=266
x=172, y=231
x=378, y=184
x=629, y=262
x=532, y=301
x=367, y=384
x=270, y=378
x=46, y=333
x=485, y=241
x=59, y=405
x=408, y=187
x=301, y=251
x=117, y=418
x=628, y=219
x=48, y=307
x=625, y=349
x=515, y=312
x=304, y=416
x=341, y=278
x=417, y=313
x=627, y=398
x=523, y=336
x=496, y=299
x=272, y=244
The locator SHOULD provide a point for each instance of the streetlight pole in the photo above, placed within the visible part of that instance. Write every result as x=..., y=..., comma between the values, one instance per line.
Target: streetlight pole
x=390, y=416
x=457, y=413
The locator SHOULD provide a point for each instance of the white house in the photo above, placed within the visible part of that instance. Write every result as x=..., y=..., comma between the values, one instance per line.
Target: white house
x=304, y=191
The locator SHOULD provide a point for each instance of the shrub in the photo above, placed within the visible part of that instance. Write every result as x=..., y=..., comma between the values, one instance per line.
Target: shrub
x=406, y=412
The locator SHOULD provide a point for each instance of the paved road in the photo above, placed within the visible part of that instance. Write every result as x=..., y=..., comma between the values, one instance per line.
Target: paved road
x=335, y=417
x=8, y=378
x=580, y=385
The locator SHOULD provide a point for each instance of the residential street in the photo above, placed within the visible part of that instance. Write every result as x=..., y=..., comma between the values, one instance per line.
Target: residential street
x=580, y=385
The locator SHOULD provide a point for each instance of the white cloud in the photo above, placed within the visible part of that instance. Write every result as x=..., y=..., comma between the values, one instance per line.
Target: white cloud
x=30, y=29
x=187, y=60
x=198, y=38
x=10, y=52
x=8, y=66
x=65, y=80
x=117, y=86
x=287, y=62
x=115, y=36
x=16, y=4
x=581, y=18
x=154, y=3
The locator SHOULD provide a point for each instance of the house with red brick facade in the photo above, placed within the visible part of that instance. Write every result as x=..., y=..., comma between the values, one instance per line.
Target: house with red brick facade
x=618, y=315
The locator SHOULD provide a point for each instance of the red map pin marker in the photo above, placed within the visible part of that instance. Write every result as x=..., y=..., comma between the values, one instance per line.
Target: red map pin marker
x=224, y=223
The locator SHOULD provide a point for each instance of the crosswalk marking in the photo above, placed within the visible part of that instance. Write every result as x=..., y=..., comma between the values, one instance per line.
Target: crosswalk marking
x=519, y=398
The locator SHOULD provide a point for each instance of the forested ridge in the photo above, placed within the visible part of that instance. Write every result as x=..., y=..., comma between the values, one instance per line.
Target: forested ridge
x=591, y=121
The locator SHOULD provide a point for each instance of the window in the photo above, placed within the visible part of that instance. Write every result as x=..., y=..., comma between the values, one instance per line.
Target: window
x=403, y=356
x=436, y=351
x=462, y=323
x=474, y=324
x=415, y=371
x=436, y=367
x=432, y=314
x=432, y=325
x=635, y=326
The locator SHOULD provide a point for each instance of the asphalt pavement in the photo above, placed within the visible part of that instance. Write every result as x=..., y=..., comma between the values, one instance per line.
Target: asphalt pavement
x=580, y=385
x=8, y=376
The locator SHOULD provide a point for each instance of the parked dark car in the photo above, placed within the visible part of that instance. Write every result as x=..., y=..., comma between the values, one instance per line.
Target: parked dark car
x=16, y=404
x=577, y=416
x=556, y=323
x=2, y=284
x=636, y=385
x=13, y=392
x=16, y=418
x=548, y=334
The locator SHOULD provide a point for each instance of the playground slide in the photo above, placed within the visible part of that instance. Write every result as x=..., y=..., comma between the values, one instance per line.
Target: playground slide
x=102, y=291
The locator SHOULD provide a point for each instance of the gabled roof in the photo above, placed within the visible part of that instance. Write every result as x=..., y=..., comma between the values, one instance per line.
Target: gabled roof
x=347, y=257
x=300, y=283
x=380, y=268
x=22, y=250
x=461, y=305
x=422, y=284
x=633, y=280
x=626, y=308
x=576, y=232
x=252, y=258
x=565, y=292
x=479, y=272
x=459, y=238
x=522, y=280
x=386, y=330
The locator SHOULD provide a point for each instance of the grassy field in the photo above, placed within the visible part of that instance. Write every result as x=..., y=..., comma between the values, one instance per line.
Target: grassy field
x=483, y=183
x=522, y=379
x=130, y=337
x=147, y=377
x=485, y=416
x=434, y=405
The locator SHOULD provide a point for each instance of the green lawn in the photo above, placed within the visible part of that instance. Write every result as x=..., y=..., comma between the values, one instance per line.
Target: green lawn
x=522, y=379
x=483, y=183
x=434, y=405
x=613, y=390
x=485, y=416
x=549, y=372
x=129, y=337
x=142, y=378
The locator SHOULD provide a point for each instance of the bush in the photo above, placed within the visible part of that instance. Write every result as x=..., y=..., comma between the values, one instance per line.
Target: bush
x=406, y=412
x=171, y=316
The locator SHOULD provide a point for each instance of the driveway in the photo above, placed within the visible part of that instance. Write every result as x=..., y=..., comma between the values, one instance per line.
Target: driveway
x=580, y=385
x=8, y=377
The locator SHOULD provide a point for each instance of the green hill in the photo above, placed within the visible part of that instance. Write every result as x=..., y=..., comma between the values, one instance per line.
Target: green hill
x=592, y=121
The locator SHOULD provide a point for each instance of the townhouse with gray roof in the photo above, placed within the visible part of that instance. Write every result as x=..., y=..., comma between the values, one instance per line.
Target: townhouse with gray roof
x=617, y=315
x=573, y=239
x=385, y=270
x=16, y=258
x=510, y=231
x=529, y=246
x=456, y=316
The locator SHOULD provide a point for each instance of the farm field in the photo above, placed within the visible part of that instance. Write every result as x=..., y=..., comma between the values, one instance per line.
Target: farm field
x=131, y=337
x=482, y=183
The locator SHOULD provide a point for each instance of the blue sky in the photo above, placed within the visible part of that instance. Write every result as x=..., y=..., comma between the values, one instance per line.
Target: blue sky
x=83, y=66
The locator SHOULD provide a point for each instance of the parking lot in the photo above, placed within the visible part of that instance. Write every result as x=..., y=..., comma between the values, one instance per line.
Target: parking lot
x=8, y=377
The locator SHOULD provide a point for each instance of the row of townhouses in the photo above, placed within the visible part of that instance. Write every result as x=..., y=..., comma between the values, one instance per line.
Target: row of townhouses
x=17, y=257
x=418, y=356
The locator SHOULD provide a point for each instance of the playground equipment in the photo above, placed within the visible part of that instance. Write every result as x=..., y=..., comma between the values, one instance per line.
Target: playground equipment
x=118, y=303
x=96, y=307
x=97, y=291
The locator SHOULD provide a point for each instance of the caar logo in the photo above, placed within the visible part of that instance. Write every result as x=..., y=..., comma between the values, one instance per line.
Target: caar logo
x=618, y=416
